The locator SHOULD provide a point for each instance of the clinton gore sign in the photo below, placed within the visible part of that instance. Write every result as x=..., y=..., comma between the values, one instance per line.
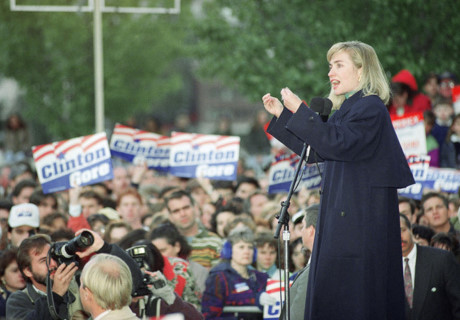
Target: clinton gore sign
x=75, y=162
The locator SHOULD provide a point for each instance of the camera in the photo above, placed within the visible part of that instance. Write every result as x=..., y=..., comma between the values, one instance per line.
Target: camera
x=64, y=252
x=140, y=254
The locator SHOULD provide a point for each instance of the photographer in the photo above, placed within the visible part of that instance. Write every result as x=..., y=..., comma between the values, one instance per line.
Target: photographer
x=162, y=298
x=34, y=263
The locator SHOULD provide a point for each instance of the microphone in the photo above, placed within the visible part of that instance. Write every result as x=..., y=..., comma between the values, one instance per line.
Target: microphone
x=327, y=109
x=317, y=105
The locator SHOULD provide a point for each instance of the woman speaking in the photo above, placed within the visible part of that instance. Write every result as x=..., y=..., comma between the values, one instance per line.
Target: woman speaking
x=356, y=266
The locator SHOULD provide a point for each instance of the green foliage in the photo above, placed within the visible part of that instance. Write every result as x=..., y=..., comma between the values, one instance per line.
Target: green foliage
x=269, y=44
x=255, y=46
x=51, y=56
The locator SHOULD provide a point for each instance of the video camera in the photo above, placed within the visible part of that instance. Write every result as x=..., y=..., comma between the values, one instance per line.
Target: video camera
x=64, y=252
x=140, y=254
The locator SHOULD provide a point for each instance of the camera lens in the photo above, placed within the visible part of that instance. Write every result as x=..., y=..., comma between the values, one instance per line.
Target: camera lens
x=85, y=240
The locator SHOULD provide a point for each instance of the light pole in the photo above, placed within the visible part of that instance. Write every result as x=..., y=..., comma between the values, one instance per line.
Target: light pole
x=97, y=7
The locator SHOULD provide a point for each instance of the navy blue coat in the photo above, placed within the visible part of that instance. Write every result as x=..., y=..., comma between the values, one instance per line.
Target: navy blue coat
x=355, y=270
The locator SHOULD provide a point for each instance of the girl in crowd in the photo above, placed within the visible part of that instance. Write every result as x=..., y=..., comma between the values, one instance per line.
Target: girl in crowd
x=267, y=255
x=172, y=244
x=298, y=256
x=10, y=276
x=450, y=151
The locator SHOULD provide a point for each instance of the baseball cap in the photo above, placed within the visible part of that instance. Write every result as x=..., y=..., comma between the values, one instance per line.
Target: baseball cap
x=24, y=214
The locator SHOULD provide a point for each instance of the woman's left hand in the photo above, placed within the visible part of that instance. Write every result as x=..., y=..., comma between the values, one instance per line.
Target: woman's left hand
x=290, y=100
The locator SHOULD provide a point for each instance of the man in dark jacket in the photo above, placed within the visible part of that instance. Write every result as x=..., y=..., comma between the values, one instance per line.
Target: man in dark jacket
x=432, y=279
x=32, y=302
x=298, y=294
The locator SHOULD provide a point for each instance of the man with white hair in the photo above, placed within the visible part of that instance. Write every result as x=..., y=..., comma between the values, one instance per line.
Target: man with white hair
x=105, y=288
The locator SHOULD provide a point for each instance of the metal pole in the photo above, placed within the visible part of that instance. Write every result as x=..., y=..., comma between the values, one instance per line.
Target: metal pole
x=287, y=291
x=97, y=7
x=98, y=67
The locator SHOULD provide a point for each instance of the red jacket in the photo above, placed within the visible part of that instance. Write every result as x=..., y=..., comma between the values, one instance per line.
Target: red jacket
x=420, y=102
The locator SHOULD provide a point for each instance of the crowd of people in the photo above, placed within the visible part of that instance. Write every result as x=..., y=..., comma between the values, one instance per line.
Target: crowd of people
x=162, y=244
x=209, y=260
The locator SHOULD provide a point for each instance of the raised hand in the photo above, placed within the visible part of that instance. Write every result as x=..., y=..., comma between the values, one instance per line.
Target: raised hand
x=272, y=105
x=290, y=100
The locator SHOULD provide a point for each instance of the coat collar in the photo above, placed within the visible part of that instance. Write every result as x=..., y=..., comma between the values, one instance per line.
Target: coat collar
x=347, y=104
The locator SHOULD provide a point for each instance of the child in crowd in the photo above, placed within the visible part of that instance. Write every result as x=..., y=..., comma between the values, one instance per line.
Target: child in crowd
x=444, y=111
x=451, y=147
x=432, y=146
x=298, y=257
x=267, y=256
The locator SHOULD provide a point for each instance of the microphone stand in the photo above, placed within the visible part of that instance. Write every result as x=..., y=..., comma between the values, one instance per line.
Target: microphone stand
x=283, y=220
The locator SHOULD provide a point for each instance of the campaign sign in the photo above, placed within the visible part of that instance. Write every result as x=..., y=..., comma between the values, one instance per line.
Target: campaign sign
x=442, y=179
x=419, y=166
x=431, y=178
x=76, y=162
x=204, y=156
x=137, y=146
x=410, y=130
x=282, y=172
x=311, y=178
x=273, y=288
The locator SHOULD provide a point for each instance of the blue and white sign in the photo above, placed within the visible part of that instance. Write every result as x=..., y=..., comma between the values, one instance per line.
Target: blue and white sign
x=441, y=179
x=76, y=162
x=204, y=156
x=430, y=178
x=282, y=173
x=137, y=146
x=272, y=312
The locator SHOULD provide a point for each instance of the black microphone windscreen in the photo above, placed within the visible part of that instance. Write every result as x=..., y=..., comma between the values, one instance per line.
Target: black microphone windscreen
x=317, y=105
x=327, y=106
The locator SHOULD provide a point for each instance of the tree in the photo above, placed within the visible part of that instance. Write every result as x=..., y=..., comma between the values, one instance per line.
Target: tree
x=51, y=56
x=263, y=45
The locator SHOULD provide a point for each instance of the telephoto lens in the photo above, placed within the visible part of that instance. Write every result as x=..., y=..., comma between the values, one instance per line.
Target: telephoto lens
x=84, y=240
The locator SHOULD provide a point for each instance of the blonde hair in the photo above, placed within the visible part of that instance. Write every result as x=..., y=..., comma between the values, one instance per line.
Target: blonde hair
x=372, y=81
x=109, y=279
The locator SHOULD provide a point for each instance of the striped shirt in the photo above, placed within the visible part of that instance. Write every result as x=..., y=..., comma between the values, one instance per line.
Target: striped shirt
x=206, y=248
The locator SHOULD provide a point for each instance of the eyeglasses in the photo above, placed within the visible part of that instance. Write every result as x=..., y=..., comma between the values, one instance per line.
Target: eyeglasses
x=447, y=84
